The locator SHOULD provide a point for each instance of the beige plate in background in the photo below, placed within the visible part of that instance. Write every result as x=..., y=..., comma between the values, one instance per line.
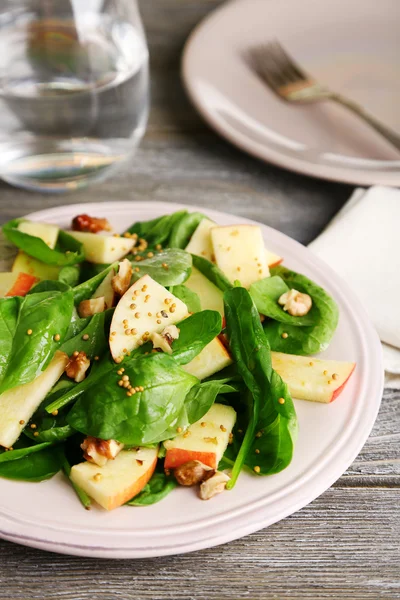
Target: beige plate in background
x=351, y=45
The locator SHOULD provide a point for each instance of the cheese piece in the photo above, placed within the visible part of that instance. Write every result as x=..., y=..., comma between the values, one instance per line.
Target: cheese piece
x=146, y=307
x=103, y=249
x=119, y=479
x=200, y=242
x=46, y=232
x=240, y=253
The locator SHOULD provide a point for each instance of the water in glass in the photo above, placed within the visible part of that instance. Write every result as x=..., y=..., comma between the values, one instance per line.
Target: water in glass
x=73, y=90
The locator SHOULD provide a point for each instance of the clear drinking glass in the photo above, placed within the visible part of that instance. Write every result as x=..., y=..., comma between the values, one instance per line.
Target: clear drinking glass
x=74, y=90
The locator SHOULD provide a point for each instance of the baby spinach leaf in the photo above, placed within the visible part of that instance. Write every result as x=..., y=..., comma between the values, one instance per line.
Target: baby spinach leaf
x=44, y=315
x=157, y=231
x=106, y=411
x=187, y=296
x=11, y=455
x=212, y=272
x=176, y=270
x=159, y=486
x=49, y=427
x=304, y=340
x=253, y=359
x=70, y=275
x=183, y=229
x=265, y=295
x=85, y=290
x=68, y=252
x=9, y=310
x=97, y=342
x=34, y=466
x=195, y=333
x=202, y=396
x=49, y=285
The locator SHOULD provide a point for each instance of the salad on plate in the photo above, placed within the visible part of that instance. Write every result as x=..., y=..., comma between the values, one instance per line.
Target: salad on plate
x=166, y=355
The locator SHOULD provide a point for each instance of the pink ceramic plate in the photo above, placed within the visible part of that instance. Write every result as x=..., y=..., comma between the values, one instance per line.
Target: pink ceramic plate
x=350, y=45
x=48, y=515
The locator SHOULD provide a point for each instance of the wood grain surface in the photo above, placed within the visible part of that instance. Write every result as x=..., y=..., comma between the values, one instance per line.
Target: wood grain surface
x=346, y=544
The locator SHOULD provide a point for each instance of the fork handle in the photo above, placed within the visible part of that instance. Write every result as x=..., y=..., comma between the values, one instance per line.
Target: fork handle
x=390, y=135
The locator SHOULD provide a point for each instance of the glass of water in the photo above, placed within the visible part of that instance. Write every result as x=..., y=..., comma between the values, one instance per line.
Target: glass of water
x=74, y=90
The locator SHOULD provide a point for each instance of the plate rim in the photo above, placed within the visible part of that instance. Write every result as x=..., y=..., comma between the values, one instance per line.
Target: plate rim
x=256, y=520
x=264, y=152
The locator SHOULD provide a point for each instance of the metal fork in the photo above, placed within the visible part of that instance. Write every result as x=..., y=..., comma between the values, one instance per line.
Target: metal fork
x=287, y=79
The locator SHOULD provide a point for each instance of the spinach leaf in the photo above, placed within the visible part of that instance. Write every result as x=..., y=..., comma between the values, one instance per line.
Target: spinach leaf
x=304, y=340
x=22, y=452
x=157, y=231
x=50, y=428
x=187, y=296
x=184, y=229
x=45, y=315
x=9, y=309
x=265, y=388
x=159, y=486
x=49, y=285
x=34, y=466
x=85, y=290
x=106, y=411
x=195, y=333
x=97, y=342
x=70, y=275
x=212, y=272
x=176, y=270
x=265, y=295
x=82, y=495
x=69, y=251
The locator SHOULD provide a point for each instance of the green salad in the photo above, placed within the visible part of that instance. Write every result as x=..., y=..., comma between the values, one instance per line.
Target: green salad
x=166, y=355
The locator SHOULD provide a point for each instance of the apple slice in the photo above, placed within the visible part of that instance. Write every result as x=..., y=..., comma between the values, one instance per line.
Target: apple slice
x=18, y=404
x=26, y=264
x=206, y=440
x=103, y=249
x=200, y=242
x=119, y=479
x=273, y=260
x=146, y=308
x=211, y=297
x=106, y=290
x=46, y=232
x=311, y=378
x=240, y=253
x=213, y=358
x=16, y=284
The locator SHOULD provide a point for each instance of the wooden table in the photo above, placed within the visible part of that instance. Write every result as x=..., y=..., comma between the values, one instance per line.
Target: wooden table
x=343, y=545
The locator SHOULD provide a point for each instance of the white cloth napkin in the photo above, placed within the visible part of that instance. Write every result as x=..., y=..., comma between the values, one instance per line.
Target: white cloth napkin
x=362, y=244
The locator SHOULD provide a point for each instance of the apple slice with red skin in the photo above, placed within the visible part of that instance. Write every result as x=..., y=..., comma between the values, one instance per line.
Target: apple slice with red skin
x=16, y=284
x=310, y=378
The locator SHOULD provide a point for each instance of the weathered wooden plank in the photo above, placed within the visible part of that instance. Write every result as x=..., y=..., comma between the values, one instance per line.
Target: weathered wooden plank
x=344, y=545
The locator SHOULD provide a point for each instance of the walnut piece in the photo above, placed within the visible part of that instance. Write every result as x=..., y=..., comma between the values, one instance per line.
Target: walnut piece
x=88, y=308
x=214, y=485
x=100, y=451
x=192, y=473
x=77, y=366
x=122, y=280
x=163, y=341
x=90, y=224
x=296, y=303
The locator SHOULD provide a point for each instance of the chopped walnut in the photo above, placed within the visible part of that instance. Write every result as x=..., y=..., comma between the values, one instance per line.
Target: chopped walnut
x=100, y=451
x=192, y=473
x=77, y=366
x=296, y=303
x=122, y=280
x=88, y=308
x=163, y=341
x=90, y=224
x=214, y=485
